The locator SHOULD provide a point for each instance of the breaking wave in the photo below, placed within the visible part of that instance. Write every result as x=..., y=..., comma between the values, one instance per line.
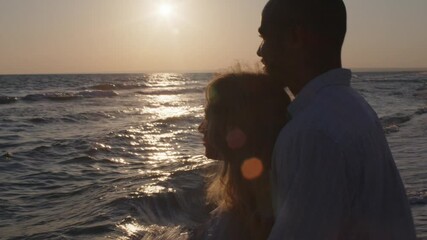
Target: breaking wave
x=393, y=122
x=67, y=96
x=171, y=92
x=7, y=100
x=418, y=198
x=421, y=92
x=116, y=86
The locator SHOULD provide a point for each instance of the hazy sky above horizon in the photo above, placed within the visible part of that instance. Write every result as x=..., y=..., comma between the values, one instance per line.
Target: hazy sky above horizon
x=96, y=36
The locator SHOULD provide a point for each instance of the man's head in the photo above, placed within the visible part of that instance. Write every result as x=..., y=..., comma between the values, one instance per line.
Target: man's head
x=301, y=36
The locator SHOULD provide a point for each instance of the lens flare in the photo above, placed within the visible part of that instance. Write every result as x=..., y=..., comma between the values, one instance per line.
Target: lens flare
x=252, y=168
x=236, y=139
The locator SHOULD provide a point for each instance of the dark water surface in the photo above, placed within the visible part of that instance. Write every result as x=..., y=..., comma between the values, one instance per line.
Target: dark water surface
x=119, y=156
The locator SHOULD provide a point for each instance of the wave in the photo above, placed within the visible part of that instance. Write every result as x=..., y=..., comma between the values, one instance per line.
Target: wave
x=418, y=198
x=67, y=96
x=62, y=96
x=153, y=231
x=79, y=160
x=6, y=155
x=52, y=176
x=422, y=88
x=116, y=86
x=392, y=123
x=385, y=80
x=98, y=229
x=9, y=163
x=88, y=160
x=71, y=118
x=396, y=93
x=46, y=120
x=77, y=118
x=166, y=208
x=10, y=137
x=41, y=120
x=421, y=92
x=391, y=129
x=396, y=119
x=88, y=116
x=187, y=118
x=171, y=91
x=421, y=111
x=7, y=100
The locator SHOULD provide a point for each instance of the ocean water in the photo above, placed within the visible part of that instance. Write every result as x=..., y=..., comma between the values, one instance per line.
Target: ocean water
x=119, y=156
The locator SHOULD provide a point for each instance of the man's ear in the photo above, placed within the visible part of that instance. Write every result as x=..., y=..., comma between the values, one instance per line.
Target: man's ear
x=304, y=37
x=301, y=37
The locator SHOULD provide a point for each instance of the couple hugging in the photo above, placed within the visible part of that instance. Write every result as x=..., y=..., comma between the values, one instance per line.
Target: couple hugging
x=317, y=167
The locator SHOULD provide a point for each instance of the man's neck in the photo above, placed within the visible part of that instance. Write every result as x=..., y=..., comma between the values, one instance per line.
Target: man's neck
x=306, y=74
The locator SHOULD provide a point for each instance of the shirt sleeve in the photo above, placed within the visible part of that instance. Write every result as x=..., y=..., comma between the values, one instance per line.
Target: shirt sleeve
x=314, y=205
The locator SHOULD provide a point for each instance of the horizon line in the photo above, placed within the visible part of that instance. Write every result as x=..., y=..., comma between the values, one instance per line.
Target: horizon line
x=356, y=69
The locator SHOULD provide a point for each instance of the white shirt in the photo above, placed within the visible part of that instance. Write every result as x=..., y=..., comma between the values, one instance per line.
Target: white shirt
x=333, y=174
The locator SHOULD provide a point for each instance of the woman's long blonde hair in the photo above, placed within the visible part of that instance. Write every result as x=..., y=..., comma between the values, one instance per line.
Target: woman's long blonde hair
x=252, y=106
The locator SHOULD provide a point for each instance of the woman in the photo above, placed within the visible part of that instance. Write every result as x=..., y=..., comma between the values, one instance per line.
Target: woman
x=243, y=116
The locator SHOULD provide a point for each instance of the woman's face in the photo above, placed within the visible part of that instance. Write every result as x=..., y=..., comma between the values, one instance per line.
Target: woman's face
x=210, y=151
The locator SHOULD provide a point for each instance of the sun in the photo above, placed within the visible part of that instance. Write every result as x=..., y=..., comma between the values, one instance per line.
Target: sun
x=165, y=10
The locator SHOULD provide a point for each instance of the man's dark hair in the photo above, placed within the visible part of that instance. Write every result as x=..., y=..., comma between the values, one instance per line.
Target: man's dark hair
x=327, y=18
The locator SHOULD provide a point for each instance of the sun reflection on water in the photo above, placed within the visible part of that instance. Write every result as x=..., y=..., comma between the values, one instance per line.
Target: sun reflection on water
x=119, y=160
x=151, y=189
x=165, y=79
x=159, y=142
x=133, y=230
x=160, y=111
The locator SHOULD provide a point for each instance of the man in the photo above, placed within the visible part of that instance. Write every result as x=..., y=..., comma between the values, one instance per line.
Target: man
x=333, y=175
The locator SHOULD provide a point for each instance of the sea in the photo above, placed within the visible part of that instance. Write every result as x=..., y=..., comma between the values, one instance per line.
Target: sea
x=118, y=156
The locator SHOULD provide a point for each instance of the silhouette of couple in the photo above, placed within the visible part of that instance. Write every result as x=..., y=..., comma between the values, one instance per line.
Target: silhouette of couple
x=318, y=167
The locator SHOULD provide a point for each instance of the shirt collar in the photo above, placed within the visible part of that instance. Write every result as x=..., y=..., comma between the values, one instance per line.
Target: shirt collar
x=338, y=76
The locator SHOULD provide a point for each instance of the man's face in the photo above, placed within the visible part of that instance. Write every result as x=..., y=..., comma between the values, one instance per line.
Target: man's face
x=275, y=50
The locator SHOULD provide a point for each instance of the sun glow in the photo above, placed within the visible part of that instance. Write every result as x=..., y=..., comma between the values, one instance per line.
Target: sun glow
x=165, y=10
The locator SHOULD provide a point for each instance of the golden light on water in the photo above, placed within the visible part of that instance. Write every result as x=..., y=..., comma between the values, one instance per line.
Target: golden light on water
x=150, y=190
x=165, y=79
x=133, y=230
x=252, y=168
x=166, y=105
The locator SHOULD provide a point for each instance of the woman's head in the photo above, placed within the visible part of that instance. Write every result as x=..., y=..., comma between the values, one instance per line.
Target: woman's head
x=243, y=115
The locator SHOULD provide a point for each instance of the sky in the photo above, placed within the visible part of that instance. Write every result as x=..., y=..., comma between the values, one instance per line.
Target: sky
x=119, y=36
